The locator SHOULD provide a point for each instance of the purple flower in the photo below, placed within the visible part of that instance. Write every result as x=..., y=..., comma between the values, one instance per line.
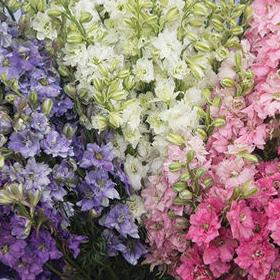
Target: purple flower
x=114, y=242
x=120, y=219
x=96, y=191
x=25, y=142
x=100, y=157
x=20, y=227
x=5, y=123
x=40, y=122
x=57, y=145
x=61, y=104
x=73, y=242
x=5, y=37
x=9, y=64
x=133, y=251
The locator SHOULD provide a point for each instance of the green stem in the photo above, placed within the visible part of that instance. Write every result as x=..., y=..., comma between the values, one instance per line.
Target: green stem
x=9, y=11
x=54, y=270
x=114, y=276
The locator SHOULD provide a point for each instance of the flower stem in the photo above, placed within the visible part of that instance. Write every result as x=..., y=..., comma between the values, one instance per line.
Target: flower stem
x=54, y=270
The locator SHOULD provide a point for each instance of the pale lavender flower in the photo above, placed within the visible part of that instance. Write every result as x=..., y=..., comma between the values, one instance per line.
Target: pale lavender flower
x=40, y=122
x=5, y=37
x=9, y=64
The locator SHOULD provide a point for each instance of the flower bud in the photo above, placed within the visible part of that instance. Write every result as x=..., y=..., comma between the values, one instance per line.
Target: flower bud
x=41, y=5
x=171, y=214
x=10, y=98
x=238, y=12
x=250, y=192
x=251, y=158
x=182, y=223
x=209, y=4
x=179, y=186
x=103, y=70
x=74, y=38
x=33, y=97
x=128, y=82
x=85, y=95
x=69, y=130
x=200, y=111
x=191, y=36
x=185, y=194
x=238, y=60
x=232, y=22
x=227, y=82
x=176, y=166
x=47, y=106
x=208, y=182
x=180, y=201
x=219, y=122
x=99, y=98
x=70, y=90
x=184, y=177
x=115, y=119
x=232, y=42
x=217, y=24
x=221, y=53
x=97, y=83
x=99, y=122
x=200, y=10
x=202, y=134
x=114, y=86
x=217, y=102
x=206, y=94
x=13, y=84
x=195, y=22
x=4, y=78
x=201, y=46
x=63, y=71
x=200, y=172
x=33, y=198
x=54, y=13
x=238, y=30
x=85, y=17
x=119, y=95
x=175, y=139
x=190, y=155
x=10, y=193
x=123, y=73
x=235, y=194
x=196, y=71
x=172, y=15
x=247, y=13
x=2, y=162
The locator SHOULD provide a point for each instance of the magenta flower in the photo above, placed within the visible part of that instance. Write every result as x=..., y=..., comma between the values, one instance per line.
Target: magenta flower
x=204, y=225
x=273, y=212
x=256, y=257
x=240, y=219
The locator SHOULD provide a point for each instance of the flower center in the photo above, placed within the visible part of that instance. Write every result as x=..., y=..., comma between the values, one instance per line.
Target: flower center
x=99, y=156
x=242, y=217
x=258, y=253
x=43, y=82
x=5, y=249
x=206, y=226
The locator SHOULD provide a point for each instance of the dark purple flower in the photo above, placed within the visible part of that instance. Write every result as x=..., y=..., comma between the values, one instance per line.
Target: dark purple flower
x=120, y=219
x=73, y=242
x=100, y=157
x=133, y=251
x=57, y=145
x=25, y=142
x=20, y=227
x=114, y=242
x=96, y=191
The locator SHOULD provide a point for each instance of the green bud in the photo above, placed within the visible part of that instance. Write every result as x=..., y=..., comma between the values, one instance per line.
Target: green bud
x=209, y=4
x=200, y=10
x=251, y=158
x=171, y=214
x=115, y=119
x=217, y=24
x=41, y=5
x=196, y=22
x=206, y=94
x=10, y=193
x=99, y=98
x=172, y=15
x=221, y=53
x=54, y=13
x=33, y=97
x=33, y=199
x=16, y=6
x=232, y=42
x=227, y=82
x=247, y=13
x=74, y=38
x=232, y=22
x=217, y=102
x=175, y=139
x=246, y=186
x=70, y=90
x=123, y=74
x=202, y=134
x=179, y=186
x=13, y=84
x=235, y=194
x=200, y=172
x=47, y=106
x=119, y=95
x=219, y=122
x=4, y=78
x=63, y=71
x=114, y=86
x=250, y=192
x=190, y=155
x=85, y=17
x=208, y=182
x=103, y=70
x=2, y=162
x=185, y=194
x=238, y=60
x=238, y=30
x=202, y=47
x=97, y=83
x=180, y=201
x=176, y=166
x=128, y=82
x=184, y=177
x=238, y=12
x=99, y=122
x=182, y=223
x=191, y=36
x=10, y=98
x=200, y=111
x=69, y=131
x=196, y=71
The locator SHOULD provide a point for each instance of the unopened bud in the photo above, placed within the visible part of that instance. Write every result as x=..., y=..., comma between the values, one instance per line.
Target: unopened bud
x=206, y=94
x=10, y=98
x=191, y=36
x=118, y=95
x=250, y=192
x=251, y=158
x=217, y=24
x=180, y=201
x=219, y=122
x=228, y=82
x=217, y=102
x=74, y=38
x=201, y=46
x=47, y=106
x=115, y=119
x=128, y=82
x=41, y=5
x=4, y=78
x=99, y=122
x=184, y=177
x=179, y=186
x=200, y=10
x=182, y=223
x=235, y=194
x=85, y=17
x=196, y=22
x=172, y=15
x=200, y=172
x=2, y=162
x=196, y=71
x=103, y=70
x=185, y=194
x=69, y=130
x=63, y=71
x=123, y=73
x=238, y=60
x=54, y=13
x=238, y=30
x=70, y=90
x=232, y=42
x=208, y=182
x=33, y=97
x=176, y=166
x=190, y=155
x=202, y=134
x=175, y=139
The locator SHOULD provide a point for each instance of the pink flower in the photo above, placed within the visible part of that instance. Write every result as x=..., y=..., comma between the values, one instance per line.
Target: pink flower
x=240, y=219
x=204, y=225
x=273, y=213
x=256, y=257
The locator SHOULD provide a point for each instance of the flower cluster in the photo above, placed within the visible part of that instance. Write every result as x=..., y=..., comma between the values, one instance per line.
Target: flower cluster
x=54, y=172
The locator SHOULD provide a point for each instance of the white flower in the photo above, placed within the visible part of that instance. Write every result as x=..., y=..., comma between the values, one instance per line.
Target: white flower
x=144, y=70
x=120, y=146
x=131, y=114
x=144, y=148
x=136, y=206
x=194, y=96
x=135, y=171
x=165, y=90
x=42, y=24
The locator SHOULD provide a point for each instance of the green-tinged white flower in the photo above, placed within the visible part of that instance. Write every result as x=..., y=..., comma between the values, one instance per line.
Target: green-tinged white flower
x=42, y=24
x=99, y=122
x=136, y=206
x=144, y=70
